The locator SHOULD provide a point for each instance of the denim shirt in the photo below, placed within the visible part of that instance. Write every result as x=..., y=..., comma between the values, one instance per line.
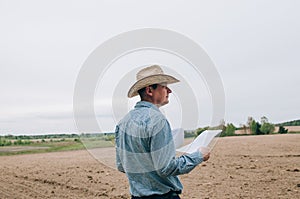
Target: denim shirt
x=145, y=151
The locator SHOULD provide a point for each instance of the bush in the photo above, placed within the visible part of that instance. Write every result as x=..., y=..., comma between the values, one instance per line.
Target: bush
x=4, y=142
x=282, y=130
x=22, y=142
x=18, y=142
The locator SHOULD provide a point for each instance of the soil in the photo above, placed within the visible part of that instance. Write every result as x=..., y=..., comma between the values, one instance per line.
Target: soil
x=266, y=166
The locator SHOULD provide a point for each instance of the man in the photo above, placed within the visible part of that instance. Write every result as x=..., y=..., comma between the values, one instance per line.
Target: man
x=144, y=144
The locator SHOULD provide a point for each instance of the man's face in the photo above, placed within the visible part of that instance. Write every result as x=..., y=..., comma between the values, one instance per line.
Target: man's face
x=161, y=94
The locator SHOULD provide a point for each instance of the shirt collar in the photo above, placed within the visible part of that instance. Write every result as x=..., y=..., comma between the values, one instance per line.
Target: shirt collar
x=141, y=104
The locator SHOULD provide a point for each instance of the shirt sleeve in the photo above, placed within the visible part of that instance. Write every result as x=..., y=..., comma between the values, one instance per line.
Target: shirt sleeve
x=163, y=152
x=118, y=160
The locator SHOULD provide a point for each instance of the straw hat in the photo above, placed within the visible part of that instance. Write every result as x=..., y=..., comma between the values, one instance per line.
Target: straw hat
x=148, y=76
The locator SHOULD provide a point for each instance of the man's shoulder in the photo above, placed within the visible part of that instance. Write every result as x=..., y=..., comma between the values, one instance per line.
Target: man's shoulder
x=144, y=115
x=147, y=114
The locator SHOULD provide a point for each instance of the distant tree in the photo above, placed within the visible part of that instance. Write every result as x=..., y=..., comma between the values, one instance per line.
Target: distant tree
x=200, y=130
x=282, y=130
x=9, y=137
x=267, y=128
x=249, y=121
x=290, y=123
x=255, y=128
x=263, y=120
x=230, y=129
x=188, y=134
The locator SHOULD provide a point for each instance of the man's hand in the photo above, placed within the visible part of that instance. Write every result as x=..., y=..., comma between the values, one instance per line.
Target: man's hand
x=205, y=153
x=206, y=156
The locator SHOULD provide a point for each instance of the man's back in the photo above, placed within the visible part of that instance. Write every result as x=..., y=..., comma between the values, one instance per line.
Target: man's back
x=144, y=144
x=144, y=147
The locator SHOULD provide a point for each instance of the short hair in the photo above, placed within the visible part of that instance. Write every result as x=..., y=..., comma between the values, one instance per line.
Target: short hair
x=141, y=92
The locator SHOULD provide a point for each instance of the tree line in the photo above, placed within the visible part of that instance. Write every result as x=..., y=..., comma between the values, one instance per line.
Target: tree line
x=290, y=123
x=261, y=127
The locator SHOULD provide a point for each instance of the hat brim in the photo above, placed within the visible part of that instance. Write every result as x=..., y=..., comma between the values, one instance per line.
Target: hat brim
x=153, y=79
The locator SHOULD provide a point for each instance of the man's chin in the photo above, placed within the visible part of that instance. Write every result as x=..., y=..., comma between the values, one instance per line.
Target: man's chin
x=166, y=102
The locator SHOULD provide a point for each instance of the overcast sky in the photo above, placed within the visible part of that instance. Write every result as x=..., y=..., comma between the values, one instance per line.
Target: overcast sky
x=255, y=46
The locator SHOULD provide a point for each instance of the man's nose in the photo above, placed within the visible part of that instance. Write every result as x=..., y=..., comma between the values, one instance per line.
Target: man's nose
x=169, y=90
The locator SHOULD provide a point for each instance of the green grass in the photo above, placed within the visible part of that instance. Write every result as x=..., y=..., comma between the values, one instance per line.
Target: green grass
x=55, y=146
x=90, y=144
x=49, y=147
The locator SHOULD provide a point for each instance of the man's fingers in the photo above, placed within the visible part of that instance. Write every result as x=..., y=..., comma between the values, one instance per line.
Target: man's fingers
x=206, y=156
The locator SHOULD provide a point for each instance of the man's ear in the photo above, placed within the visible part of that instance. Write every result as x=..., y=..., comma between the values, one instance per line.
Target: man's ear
x=149, y=90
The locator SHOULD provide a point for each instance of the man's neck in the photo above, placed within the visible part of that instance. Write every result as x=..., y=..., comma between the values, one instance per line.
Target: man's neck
x=150, y=101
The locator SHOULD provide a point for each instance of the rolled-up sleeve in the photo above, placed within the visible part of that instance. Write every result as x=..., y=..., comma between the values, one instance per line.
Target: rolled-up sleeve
x=181, y=165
